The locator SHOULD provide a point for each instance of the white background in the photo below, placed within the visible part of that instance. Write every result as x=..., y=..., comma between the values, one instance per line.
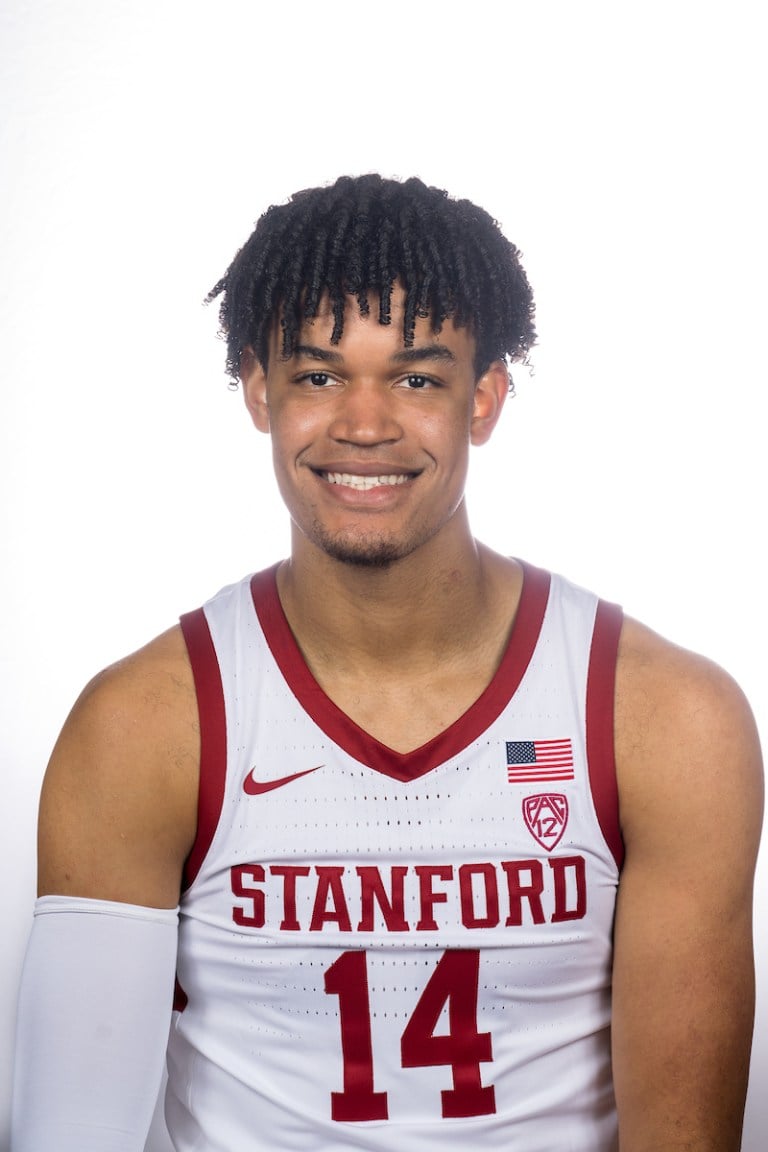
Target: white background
x=621, y=146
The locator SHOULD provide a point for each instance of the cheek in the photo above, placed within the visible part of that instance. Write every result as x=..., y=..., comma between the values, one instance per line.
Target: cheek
x=450, y=433
x=292, y=432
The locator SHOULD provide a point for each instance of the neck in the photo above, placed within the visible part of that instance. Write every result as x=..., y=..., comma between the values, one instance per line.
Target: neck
x=421, y=607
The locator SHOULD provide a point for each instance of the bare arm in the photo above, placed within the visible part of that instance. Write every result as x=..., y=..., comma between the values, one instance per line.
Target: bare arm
x=690, y=781
x=117, y=820
x=119, y=801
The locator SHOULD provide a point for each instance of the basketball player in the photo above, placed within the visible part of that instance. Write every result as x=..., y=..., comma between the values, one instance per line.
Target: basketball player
x=443, y=851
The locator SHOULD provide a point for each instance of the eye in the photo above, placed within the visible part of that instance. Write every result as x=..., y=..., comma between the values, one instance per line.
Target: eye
x=417, y=380
x=317, y=379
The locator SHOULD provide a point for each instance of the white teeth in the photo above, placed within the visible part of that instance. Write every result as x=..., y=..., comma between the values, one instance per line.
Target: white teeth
x=364, y=483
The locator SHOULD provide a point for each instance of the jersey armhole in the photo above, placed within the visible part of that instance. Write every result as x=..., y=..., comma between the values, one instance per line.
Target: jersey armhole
x=213, y=737
x=601, y=755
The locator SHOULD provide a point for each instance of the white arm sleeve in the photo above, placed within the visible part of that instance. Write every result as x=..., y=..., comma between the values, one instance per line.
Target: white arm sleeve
x=94, y=1013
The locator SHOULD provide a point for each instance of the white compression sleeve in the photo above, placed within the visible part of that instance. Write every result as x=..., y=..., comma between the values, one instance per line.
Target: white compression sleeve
x=94, y=1013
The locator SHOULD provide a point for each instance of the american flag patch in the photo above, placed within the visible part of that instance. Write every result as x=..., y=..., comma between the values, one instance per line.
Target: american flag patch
x=529, y=761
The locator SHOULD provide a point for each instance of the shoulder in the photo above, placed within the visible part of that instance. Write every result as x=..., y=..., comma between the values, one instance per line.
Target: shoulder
x=156, y=677
x=118, y=807
x=685, y=738
x=145, y=700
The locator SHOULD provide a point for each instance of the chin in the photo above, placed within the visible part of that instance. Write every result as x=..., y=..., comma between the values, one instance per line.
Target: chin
x=374, y=555
x=362, y=552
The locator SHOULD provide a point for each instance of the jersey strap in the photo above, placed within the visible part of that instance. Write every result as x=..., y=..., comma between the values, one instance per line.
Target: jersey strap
x=213, y=736
x=601, y=756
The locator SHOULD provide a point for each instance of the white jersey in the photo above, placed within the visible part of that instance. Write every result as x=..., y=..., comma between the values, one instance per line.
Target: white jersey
x=399, y=951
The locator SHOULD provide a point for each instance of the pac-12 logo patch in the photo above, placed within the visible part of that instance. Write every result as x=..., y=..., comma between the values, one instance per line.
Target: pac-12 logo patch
x=546, y=816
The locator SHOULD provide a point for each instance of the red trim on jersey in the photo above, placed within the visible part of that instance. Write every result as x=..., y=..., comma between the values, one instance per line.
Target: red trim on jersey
x=601, y=756
x=180, y=998
x=355, y=740
x=213, y=736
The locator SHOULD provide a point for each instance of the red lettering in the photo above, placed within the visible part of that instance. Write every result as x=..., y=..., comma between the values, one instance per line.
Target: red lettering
x=237, y=877
x=391, y=905
x=289, y=873
x=453, y=986
x=469, y=918
x=427, y=895
x=453, y=983
x=387, y=893
x=518, y=891
x=560, y=866
x=347, y=978
x=329, y=885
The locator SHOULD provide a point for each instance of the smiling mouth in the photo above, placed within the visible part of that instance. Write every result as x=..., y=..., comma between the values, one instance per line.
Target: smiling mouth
x=365, y=483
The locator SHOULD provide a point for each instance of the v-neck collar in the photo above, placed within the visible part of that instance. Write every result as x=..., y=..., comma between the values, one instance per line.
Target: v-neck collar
x=355, y=740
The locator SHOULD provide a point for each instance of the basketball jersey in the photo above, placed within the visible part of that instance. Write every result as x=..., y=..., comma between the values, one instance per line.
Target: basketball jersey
x=399, y=951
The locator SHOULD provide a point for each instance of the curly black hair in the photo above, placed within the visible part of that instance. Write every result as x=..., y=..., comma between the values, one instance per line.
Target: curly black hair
x=360, y=236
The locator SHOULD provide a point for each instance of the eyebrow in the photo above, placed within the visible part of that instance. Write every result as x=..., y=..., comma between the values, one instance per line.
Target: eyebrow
x=312, y=352
x=427, y=352
x=406, y=356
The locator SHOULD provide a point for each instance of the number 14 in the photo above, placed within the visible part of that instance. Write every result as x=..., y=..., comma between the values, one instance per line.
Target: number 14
x=454, y=982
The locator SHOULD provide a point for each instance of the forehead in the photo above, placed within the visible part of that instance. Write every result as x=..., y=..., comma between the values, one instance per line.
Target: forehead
x=365, y=332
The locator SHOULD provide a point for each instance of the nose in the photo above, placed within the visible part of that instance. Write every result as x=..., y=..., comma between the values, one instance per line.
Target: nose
x=365, y=415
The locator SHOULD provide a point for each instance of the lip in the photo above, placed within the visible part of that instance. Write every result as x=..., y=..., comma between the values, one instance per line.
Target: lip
x=404, y=476
x=375, y=497
x=355, y=468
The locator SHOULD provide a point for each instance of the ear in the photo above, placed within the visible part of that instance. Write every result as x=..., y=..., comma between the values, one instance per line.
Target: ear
x=491, y=390
x=254, y=381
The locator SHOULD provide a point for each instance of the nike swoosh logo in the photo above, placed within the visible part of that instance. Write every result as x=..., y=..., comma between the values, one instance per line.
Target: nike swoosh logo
x=256, y=787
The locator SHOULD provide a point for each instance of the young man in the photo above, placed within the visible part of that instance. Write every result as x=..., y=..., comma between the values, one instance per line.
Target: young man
x=463, y=859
